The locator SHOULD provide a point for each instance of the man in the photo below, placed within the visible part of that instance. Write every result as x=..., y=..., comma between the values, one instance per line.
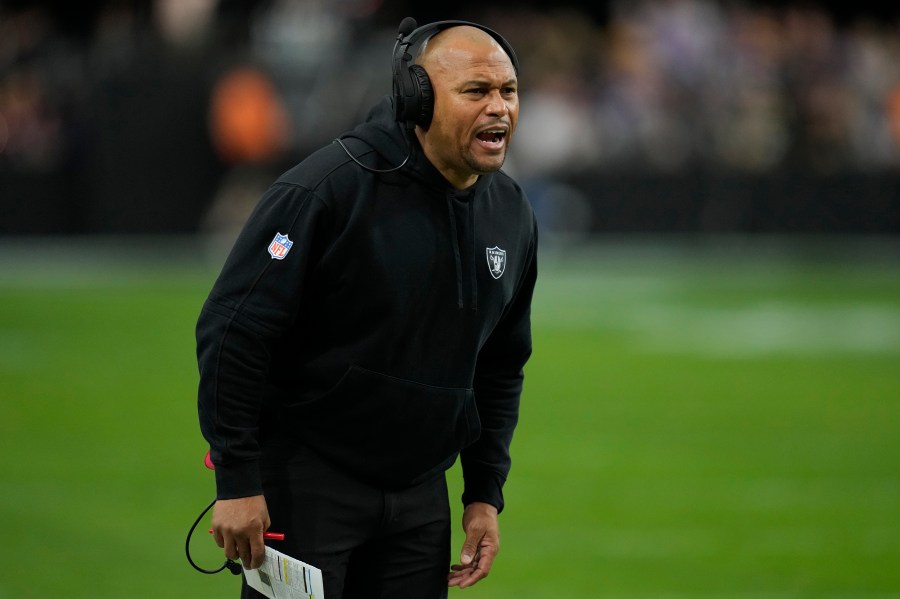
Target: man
x=369, y=327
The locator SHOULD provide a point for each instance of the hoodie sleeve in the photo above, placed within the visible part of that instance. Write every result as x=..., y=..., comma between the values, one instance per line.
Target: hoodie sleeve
x=498, y=385
x=252, y=304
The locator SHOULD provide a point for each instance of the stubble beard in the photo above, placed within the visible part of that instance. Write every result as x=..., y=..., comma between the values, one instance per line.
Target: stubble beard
x=479, y=167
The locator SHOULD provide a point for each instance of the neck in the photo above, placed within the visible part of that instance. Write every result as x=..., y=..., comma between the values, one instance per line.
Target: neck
x=457, y=179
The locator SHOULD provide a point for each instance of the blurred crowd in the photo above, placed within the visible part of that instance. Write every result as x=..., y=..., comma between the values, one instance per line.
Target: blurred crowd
x=674, y=84
x=203, y=101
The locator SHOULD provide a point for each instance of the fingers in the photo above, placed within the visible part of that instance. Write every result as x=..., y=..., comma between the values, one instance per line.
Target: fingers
x=480, y=547
x=466, y=575
x=249, y=548
x=238, y=526
x=231, y=542
x=256, y=553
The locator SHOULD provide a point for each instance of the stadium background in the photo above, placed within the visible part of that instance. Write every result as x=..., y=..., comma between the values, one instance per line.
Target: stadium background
x=713, y=407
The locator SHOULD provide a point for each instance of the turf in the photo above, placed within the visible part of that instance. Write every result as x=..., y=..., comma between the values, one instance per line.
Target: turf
x=710, y=420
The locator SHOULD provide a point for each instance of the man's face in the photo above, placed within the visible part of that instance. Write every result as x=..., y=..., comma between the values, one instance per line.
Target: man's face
x=476, y=107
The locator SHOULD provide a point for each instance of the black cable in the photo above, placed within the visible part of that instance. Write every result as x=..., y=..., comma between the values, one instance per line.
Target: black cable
x=369, y=168
x=233, y=566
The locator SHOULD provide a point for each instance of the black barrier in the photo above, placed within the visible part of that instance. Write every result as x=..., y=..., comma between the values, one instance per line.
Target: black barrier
x=782, y=203
x=51, y=203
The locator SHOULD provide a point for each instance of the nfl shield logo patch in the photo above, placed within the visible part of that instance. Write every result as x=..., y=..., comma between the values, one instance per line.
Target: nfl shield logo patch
x=280, y=246
x=496, y=261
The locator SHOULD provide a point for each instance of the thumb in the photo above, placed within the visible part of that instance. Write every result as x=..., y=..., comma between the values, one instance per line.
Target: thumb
x=469, y=550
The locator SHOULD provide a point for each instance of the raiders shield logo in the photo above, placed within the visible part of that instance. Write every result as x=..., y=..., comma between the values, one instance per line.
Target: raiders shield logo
x=496, y=261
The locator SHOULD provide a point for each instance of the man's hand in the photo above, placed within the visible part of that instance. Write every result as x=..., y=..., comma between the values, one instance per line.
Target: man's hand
x=238, y=526
x=482, y=543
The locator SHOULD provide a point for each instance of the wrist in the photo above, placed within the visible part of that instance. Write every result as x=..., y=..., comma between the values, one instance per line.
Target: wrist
x=482, y=507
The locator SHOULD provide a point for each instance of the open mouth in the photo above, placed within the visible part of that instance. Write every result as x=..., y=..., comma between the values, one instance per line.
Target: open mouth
x=492, y=137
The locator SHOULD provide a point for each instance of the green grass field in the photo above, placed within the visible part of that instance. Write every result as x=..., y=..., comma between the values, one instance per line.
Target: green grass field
x=701, y=419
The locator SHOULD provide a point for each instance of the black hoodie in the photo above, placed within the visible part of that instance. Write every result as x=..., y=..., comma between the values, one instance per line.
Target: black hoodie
x=381, y=319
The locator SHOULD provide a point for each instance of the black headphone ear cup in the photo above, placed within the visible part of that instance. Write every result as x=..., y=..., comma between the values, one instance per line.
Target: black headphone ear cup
x=424, y=96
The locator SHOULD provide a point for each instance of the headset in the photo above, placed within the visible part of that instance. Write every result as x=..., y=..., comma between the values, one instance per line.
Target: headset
x=413, y=94
x=412, y=91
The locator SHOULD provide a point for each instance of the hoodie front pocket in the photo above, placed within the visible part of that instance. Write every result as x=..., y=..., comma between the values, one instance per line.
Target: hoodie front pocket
x=387, y=429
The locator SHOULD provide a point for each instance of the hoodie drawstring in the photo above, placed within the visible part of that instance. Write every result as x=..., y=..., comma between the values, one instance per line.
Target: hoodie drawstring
x=468, y=240
x=454, y=239
x=473, y=270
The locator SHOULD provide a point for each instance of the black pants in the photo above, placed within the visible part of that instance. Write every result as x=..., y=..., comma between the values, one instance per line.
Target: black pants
x=370, y=543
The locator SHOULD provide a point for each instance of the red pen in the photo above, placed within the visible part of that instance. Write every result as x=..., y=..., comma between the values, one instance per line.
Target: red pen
x=274, y=536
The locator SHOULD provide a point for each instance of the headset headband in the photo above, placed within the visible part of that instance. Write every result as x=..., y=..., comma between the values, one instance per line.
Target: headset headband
x=410, y=35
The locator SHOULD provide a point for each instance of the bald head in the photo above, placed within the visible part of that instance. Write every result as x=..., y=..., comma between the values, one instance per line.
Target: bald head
x=449, y=47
